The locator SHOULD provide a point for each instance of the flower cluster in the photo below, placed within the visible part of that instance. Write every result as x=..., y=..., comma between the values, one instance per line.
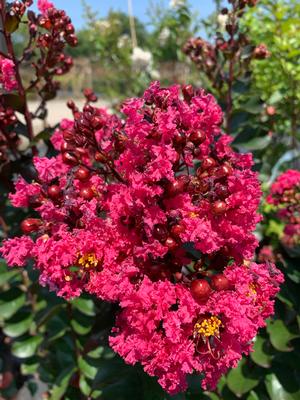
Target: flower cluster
x=49, y=32
x=285, y=196
x=8, y=137
x=154, y=211
x=230, y=45
x=7, y=74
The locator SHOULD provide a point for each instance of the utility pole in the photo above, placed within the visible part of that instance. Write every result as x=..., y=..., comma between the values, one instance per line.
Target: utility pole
x=132, y=25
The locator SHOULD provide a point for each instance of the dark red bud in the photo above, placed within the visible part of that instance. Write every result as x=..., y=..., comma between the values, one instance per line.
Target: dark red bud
x=176, y=230
x=222, y=191
x=200, y=289
x=220, y=282
x=70, y=28
x=99, y=157
x=219, y=207
x=66, y=147
x=225, y=170
x=208, y=162
x=188, y=92
x=70, y=158
x=68, y=136
x=160, y=232
x=178, y=186
x=197, y=137
x=54, y=192
x=82, y=174
x=87, y=193
x=30, y=225
x=170, y=243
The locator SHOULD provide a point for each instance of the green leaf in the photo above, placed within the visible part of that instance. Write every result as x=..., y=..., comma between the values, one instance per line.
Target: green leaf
x=96, y=353
x=280, y=336
x=240, y=380
x=56, y=328
x=10, y=302
x=30, y=366
x=261, y=355
x=86, y=306
x=49, y=313
x=6, y=275
x=96, y=394
x=86, y=368
x=84, y=386
x=27, y=347
x=11, y=23
x=255, y=144
x=61, y=383
x=252, y=396
x=253, y=106
x=18, y=324
x=81, y=324
x=277, y=392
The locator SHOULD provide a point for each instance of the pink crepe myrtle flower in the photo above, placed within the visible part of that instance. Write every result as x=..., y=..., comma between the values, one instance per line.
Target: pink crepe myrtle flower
x=44, y=5
x=165, y=329
x=7, y=74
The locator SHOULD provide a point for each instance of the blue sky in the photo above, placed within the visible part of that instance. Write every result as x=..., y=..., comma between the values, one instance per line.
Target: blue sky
x=140, y=7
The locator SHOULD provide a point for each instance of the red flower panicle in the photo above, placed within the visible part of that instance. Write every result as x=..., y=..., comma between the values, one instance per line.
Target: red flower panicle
x=157, y=212
x=285, y=196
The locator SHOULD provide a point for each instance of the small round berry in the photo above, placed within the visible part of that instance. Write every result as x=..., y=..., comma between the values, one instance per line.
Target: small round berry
x=197, y=137
x=178, y=186
x=54, y=192
x=219, y=207
x=220, y=282
x=83, y=174
x=87, y=193
x=30, y=225
x=200, y=289
x=270, y=110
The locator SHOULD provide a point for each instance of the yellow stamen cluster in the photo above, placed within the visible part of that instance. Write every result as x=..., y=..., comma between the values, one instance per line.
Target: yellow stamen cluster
x=88, y=260
x=193, y=214
x=252, y=290
x=208, y=327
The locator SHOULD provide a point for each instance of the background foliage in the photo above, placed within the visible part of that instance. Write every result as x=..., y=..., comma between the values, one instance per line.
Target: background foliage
x=65, y=343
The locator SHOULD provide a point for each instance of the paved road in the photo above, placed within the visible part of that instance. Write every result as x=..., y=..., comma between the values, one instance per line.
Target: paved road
x=58, y=110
